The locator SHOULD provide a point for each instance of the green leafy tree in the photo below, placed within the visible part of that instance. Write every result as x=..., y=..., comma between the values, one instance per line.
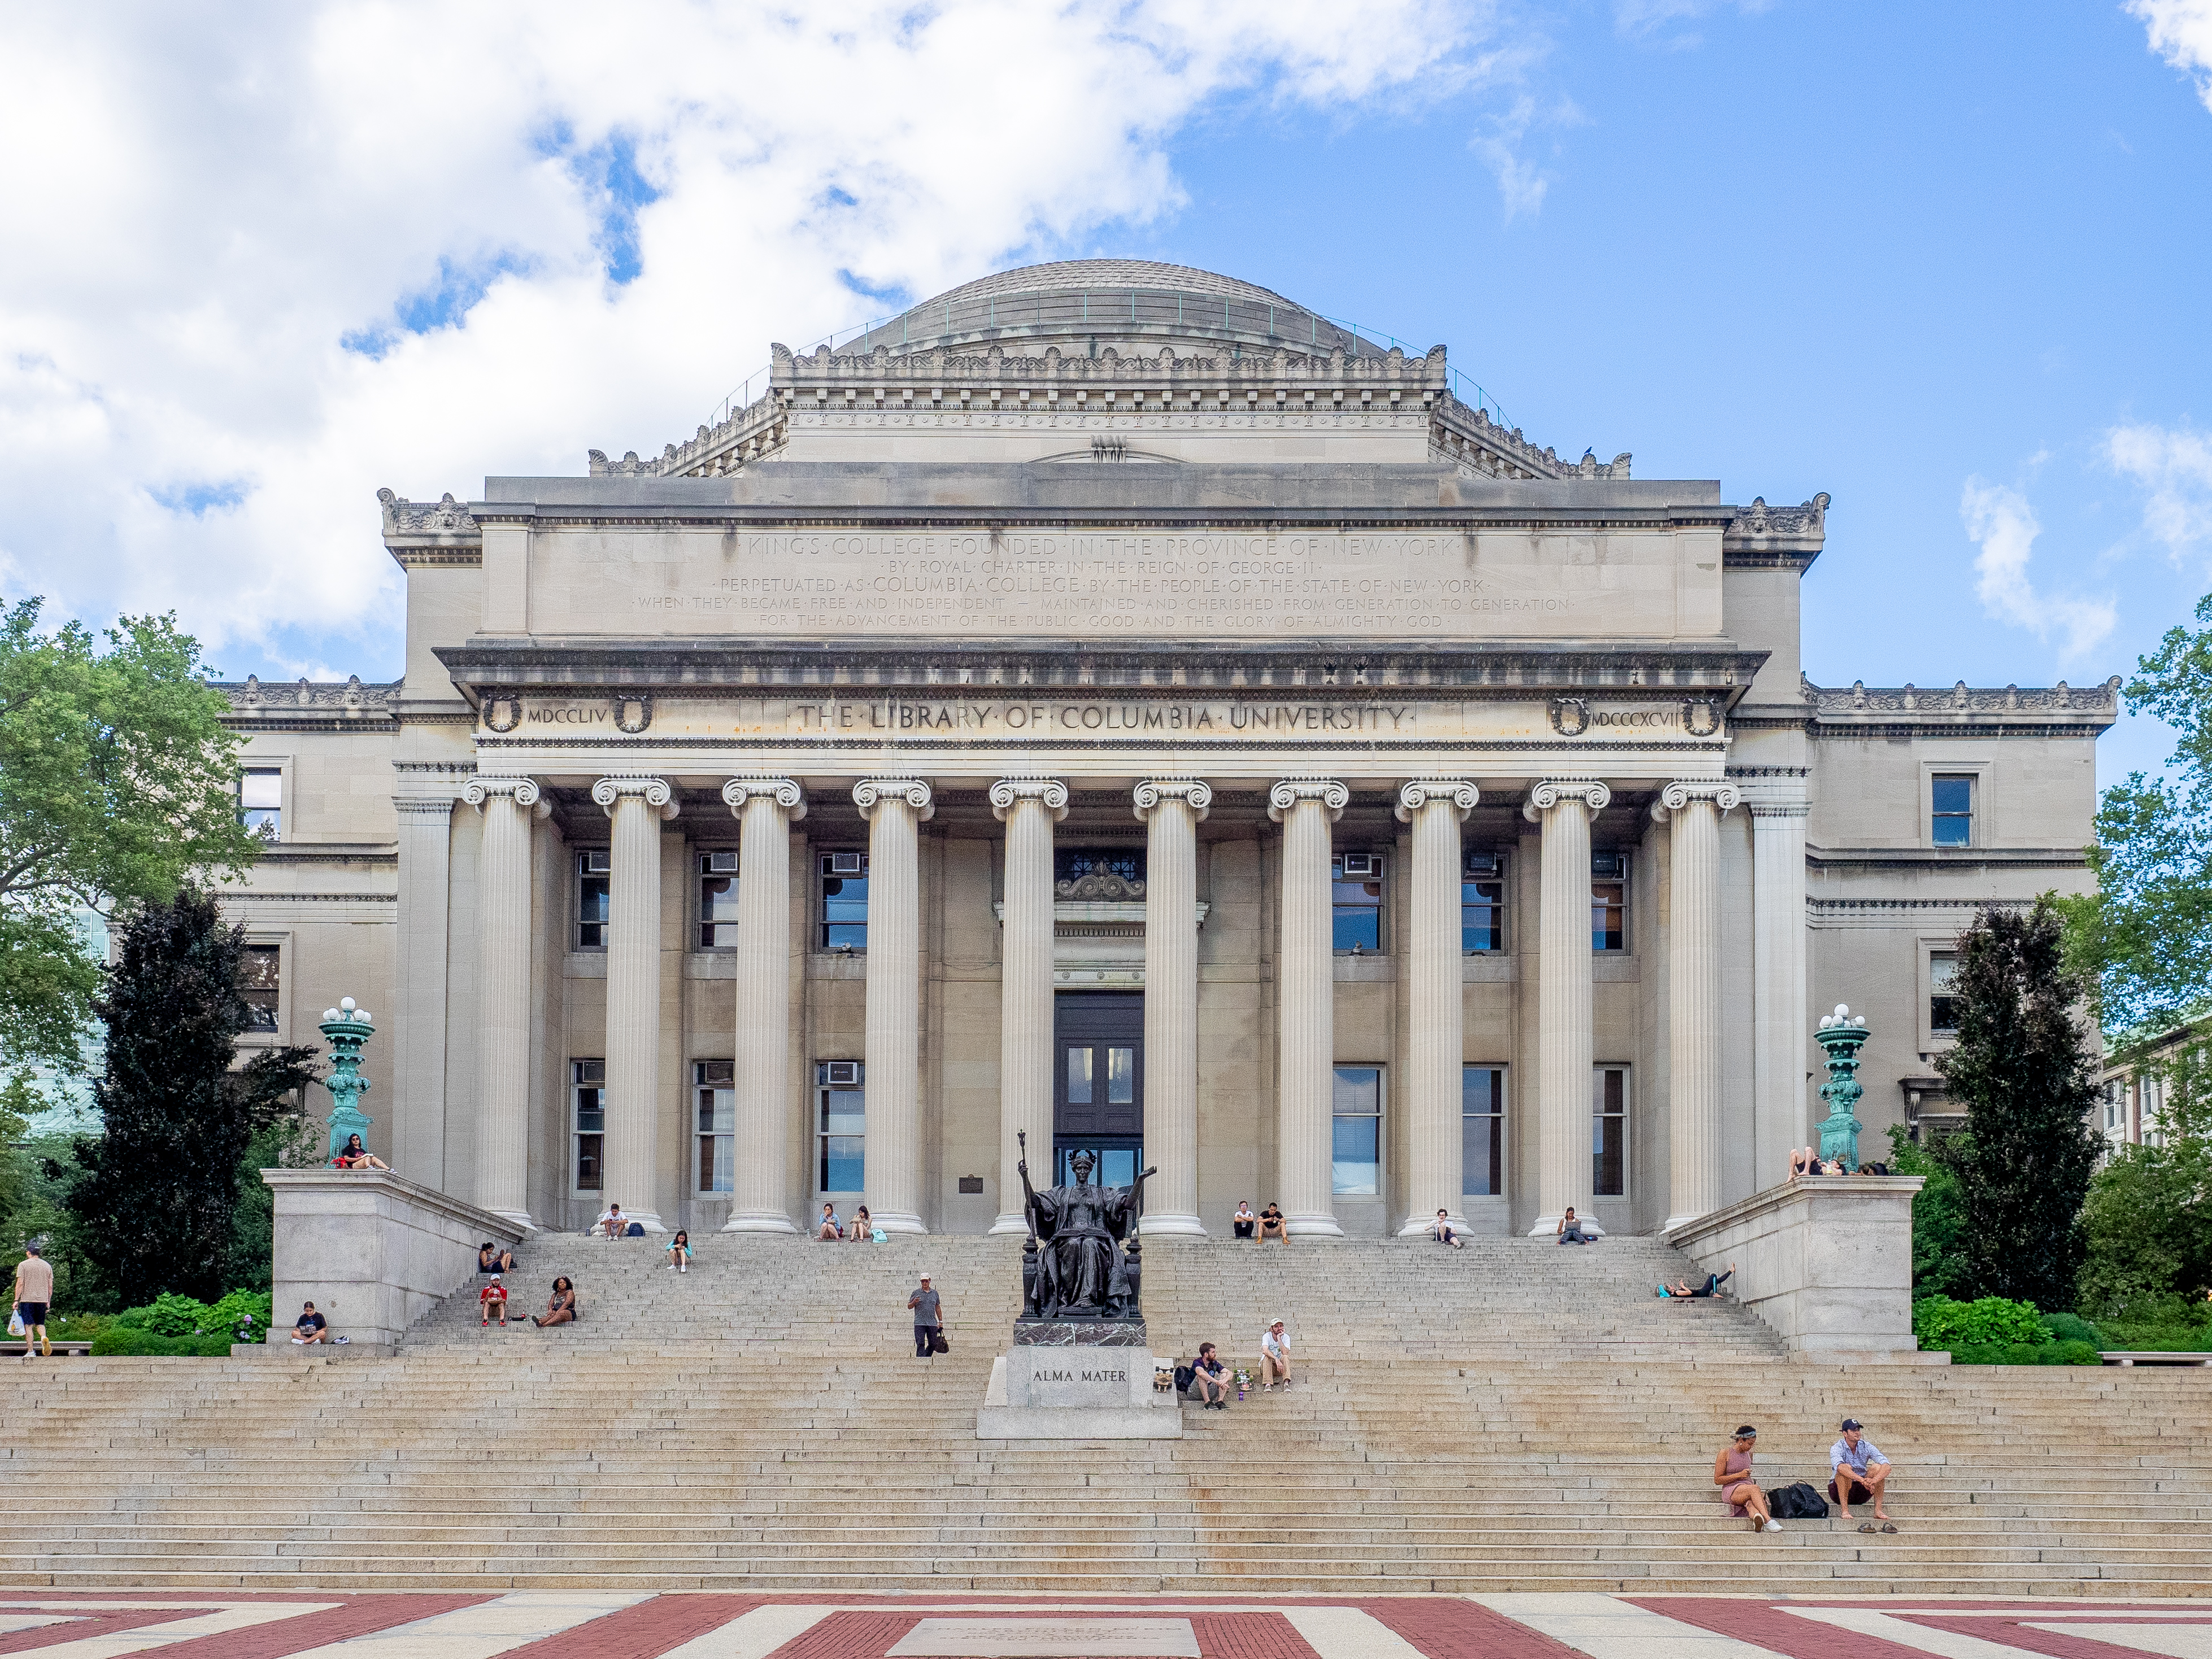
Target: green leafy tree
x=2145, y=937
x=2146, y=1225
x=152, y=1204
x=2023, y=1068
x=1938, y=1216
x=117, y=780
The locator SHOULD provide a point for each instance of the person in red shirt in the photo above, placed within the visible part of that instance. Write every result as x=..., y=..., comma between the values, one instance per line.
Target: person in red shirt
x=494, y=1298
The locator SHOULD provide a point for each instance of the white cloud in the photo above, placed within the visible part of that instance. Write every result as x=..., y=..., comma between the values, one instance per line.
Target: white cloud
x=2005, y=526
x=1650, y=19
x=2174, y=465
x=1521, y=184
x=2181, y=33
x=262, y=259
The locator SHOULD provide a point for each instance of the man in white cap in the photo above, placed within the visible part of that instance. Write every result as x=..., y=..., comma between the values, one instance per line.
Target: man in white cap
x=928, y=1318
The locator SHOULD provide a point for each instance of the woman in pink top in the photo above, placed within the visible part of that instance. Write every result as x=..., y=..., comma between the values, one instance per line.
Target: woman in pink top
x=1732, y=1474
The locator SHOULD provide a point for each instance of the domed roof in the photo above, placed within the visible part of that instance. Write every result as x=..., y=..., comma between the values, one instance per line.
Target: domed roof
x=1088, y=301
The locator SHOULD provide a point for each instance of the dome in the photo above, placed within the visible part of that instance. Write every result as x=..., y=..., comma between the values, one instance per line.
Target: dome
x=1127, y=301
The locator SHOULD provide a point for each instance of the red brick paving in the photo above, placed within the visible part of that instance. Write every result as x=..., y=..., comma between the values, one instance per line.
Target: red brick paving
x=643, y=1632
x=1446, y=1629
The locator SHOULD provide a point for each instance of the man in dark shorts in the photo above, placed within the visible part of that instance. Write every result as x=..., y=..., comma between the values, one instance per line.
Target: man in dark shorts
x=1861, y=1474
x=34, y=1294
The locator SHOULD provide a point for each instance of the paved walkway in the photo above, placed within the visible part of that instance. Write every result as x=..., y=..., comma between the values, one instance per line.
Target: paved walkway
x=581, y=1625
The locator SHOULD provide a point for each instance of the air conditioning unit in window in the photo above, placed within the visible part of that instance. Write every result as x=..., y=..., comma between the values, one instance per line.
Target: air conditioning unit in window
x=1362, y=863
x=717, y=863
x=845, y=864
x=845, y=1071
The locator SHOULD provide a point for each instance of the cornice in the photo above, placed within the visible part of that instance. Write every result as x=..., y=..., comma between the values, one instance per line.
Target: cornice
x=307, y=706
x=1929, y=859
x=1859, y=710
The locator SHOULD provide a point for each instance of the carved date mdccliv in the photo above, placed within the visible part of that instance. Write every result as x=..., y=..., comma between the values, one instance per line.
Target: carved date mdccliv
x=1073, y=1267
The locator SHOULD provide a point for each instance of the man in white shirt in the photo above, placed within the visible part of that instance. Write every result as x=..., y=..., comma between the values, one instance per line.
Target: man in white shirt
x=1275, y=1358
x=612, y=1222
x=1861, y=1472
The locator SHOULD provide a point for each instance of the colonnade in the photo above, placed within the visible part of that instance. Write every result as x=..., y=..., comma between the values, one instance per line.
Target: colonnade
x=1171, y=809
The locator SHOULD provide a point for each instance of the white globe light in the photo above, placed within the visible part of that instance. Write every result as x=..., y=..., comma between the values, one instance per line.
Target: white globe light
x=1841, y=1012
x=329, y=1013
x=365, y=1017
x=346, y=1004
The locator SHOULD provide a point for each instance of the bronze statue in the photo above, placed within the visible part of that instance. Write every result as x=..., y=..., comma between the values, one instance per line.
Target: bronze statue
x=1078, y=1230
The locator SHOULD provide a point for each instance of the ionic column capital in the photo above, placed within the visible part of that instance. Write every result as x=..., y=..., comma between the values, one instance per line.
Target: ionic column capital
x=524, y=791
x=1007, y=791
x=1195, y=792
x=786, y=792
x=869, y=791
x=1550, y=793
x=1726, y=797
x=656, y=793
x=1286, y=794
x=1417, y=794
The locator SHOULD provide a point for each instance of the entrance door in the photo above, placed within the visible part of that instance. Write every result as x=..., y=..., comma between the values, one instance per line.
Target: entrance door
x=1098, y=1084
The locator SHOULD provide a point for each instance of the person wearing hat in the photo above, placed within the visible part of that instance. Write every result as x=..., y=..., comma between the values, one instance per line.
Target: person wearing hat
x=1861, y=1472
x=493, y=1296
x=1732, y=1474
x=928, y=1318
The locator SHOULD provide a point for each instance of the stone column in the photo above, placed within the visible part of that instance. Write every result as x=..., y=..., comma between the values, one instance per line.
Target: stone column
x=894, y=808
x=1430, y=1093
x=417, y=1120
x=502, y=1105
x=765, y=809
x=1782, y=1021
x=1563, y=1007
x=1305, y=983
x=638, y=806
x=1693, y=995
x=1172, y=809
x=1029, y=807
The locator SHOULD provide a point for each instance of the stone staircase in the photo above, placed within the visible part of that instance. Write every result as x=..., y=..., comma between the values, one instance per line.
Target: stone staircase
x=1511, y=1417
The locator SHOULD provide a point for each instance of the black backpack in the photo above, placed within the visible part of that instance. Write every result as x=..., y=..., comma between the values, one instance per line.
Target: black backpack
x=1798, y=1501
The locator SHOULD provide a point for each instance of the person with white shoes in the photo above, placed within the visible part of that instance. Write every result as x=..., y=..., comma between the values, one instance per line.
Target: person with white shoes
x=1275, y=1358
x=679, y=1251
x=34, y=1295
x=1732, y=1474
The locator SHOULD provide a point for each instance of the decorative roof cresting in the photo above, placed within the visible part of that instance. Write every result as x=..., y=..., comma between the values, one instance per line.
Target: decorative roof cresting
x=1860, y=698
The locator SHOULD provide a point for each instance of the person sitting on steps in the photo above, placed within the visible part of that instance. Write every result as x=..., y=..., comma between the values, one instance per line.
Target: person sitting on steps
x=493, y=1295
x=1274, y=1357
x=679, y=1251
x=863, y=1229
x=612, y=1222
x=1861, y=1474
x=828, y=1227
x=1442, y=1231
x=310, y=1327
x=560, y=1307
x=1270, y=1226
x=1209, y=1382
x=1244, y=1221
x=495, y=1258
x=1732, y=1474
x=1571, y=1231
x=358, y=1157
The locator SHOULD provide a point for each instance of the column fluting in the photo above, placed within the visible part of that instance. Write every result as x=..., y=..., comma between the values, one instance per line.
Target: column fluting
x=1029, y=807
x=765, y=809
x=503, y=954
x=1781, y=1029
x=637, y=807
x=1693, y=995
x=1305, y=982
x=1564, y=1054
x=1172, y=809
x=894, y=808
x=1431, y=1100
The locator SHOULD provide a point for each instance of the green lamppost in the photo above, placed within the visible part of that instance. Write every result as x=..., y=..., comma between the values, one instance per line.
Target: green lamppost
x=1841, y=1033
x=347, y=1028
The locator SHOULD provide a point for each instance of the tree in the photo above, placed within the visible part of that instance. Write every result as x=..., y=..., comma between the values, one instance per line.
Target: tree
x=2145, y=937
x=153, y=1199
x=2146, y=1225
x=1938, y=1266
x=2024, y=1070
x=117, y=779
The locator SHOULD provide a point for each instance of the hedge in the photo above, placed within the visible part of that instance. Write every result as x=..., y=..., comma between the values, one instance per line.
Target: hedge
x=137, y=1340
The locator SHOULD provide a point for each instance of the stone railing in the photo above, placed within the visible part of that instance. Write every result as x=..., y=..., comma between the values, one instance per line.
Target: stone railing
x=372, y=1250
x=1825, y=1260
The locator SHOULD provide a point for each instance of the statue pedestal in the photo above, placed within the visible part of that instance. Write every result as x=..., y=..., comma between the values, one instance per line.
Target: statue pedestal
x=1076, y=1379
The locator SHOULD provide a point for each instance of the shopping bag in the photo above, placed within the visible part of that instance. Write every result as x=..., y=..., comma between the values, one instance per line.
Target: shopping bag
x=878, y=1236
x=15, y=1325
x=937, y=1344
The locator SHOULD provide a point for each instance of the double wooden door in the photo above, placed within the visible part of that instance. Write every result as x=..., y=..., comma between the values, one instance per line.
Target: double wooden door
x=1098, y=1084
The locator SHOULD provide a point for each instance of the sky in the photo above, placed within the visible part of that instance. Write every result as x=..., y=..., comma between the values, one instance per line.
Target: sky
x=1952, y=264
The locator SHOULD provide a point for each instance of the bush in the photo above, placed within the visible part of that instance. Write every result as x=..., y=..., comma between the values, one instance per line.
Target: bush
x=2071, y=1328
x=1990, y=1321
x=2028, y=1353
x=119, y=1339
x=241, y=1316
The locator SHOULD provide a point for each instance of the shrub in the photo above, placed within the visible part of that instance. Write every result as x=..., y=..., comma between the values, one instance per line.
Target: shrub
x=2027, y=1353
x=2071, y=1328
x=1991, y=1321
x=119, y=1339
x=241, y=1316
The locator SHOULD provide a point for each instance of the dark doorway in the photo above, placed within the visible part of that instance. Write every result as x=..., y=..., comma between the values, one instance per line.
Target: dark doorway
x=1098, y=1082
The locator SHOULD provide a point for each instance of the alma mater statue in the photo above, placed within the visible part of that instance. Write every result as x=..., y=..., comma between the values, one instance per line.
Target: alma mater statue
x=1081, y=1271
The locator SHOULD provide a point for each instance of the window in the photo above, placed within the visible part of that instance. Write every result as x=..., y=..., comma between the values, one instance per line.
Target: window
x=1482, y=1131
x=1356, y=891
x=718, y=902
x=261, y=801
x=1609, y=902
x=260, y=969
x=1951, y=810
x=714, y=1088
x=594, y=866
x=1119, y=1082
x=1609, y=1132
x=844, y=905
x=1355, y=1145
x=841, y=1108
x=1942, y=1006
x=587, y=1091
x=1102, y=868
x=2112, y=1116
x=1482, y=904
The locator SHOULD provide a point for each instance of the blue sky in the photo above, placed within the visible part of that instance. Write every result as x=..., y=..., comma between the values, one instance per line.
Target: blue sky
x=1948, y=264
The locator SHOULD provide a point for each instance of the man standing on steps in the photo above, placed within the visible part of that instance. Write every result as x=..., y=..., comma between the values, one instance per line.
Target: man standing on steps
x=34, y=1294
x=928, y=1319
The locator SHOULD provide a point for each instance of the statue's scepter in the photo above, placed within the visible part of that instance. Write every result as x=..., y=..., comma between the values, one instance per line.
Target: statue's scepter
x=1028, y=1216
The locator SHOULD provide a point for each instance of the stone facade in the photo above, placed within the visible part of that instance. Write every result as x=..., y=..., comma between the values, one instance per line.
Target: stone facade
x=1168, y=664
